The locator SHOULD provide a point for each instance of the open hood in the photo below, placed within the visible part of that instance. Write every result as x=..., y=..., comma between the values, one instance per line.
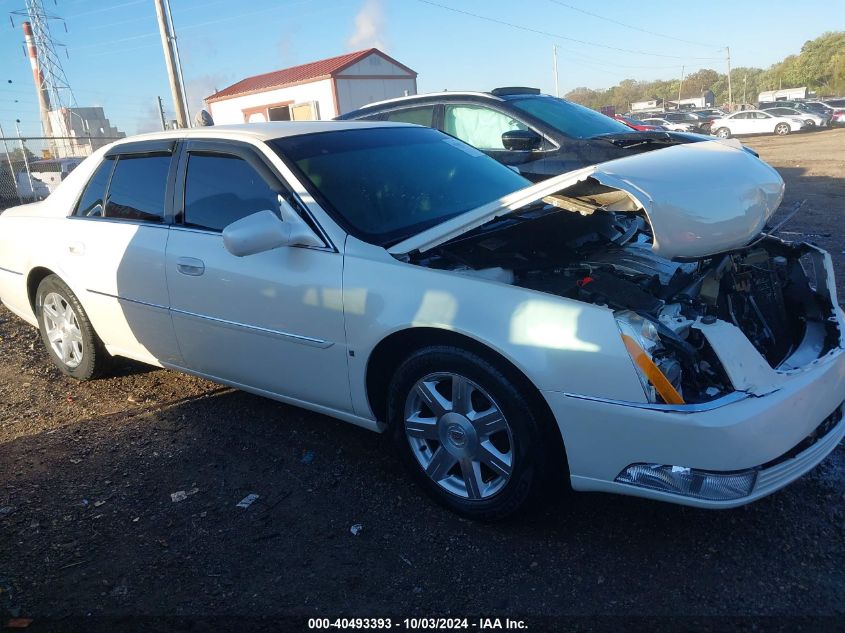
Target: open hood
x=699, y=198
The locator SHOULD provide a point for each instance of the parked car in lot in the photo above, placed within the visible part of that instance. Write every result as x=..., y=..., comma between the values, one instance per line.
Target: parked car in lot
x=634, y=124
x=698, y=123
x=710, y=113
x=819, y=106
x=816, y=107
x=639, y=333
x=810, y=118
x=669, y=125
x=755, y=122
x=540, y=135
x=838, y=118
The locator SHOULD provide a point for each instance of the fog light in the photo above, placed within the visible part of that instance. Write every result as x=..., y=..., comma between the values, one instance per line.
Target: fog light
x=690, y=482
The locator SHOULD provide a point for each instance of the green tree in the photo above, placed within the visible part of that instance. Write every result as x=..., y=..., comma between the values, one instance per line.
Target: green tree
x=820, y=66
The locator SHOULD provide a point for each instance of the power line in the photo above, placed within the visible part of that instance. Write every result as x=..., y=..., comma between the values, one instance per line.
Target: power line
x=101, y=10
x=556, y=35
x=628, y=26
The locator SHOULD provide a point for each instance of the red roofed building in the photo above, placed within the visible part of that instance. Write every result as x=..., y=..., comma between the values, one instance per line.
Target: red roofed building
x=319, y=90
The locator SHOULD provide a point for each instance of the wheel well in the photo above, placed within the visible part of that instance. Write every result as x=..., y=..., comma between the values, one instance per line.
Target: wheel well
x=390, y=352
x=36, y=276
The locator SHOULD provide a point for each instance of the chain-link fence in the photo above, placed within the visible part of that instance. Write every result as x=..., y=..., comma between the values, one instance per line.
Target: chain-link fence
x=32, y=167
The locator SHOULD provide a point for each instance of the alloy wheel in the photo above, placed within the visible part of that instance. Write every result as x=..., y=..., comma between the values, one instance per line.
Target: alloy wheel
x=459, y=436
x=62, y=329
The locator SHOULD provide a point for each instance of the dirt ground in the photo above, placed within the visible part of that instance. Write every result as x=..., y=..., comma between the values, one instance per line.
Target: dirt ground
x=89, y=530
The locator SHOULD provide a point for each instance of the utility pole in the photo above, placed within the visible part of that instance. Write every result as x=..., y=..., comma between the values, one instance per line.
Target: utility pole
x=744, y=86
x=681, y=85
x=557, y=81
x=168, y=43
x=730, y=92
x=178, y=62
x=161, y=114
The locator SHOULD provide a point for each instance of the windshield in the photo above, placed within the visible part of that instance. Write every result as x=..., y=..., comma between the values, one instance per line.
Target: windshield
x=570, y=118
x=386, y=184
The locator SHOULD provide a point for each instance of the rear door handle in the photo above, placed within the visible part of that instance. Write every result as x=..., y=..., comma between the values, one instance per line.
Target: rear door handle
x=190, y=266
x=76, y=248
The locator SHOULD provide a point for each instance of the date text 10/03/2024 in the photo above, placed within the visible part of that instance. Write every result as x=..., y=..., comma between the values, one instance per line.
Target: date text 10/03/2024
x=417, y=624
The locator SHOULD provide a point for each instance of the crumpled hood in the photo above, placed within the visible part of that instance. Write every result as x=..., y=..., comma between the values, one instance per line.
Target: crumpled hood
x=700, y=198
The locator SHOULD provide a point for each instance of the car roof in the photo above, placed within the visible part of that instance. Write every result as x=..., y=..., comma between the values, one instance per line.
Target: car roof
x=514, y=94
x=433, y=95
x=262, y=131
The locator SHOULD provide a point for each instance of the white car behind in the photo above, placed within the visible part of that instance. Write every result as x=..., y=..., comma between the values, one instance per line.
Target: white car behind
x=811, y=119
x=670, y=125
x=755, y=122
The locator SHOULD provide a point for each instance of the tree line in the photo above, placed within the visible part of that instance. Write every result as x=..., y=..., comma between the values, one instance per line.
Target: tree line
x=820, y=66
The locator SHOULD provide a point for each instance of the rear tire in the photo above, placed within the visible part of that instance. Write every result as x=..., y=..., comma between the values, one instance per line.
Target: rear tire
x=66, y=332
x=723, y=132
x=782, y=129
x=467, y=435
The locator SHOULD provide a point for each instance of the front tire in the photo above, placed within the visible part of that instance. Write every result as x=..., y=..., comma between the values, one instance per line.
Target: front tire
x=466, y=433
x=723, y=132
x=782, y=129
x=66, y=332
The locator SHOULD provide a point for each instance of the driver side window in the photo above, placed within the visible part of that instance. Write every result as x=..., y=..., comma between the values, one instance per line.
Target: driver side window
x=220, y=189
x=480, y=127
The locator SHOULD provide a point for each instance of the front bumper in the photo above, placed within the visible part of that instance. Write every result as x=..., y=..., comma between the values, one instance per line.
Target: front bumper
x=738, y=432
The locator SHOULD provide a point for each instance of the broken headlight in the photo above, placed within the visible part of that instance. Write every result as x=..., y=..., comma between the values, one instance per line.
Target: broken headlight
x=659, y=373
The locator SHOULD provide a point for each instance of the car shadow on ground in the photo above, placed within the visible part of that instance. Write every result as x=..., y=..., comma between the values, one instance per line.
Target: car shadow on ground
x=90, y=525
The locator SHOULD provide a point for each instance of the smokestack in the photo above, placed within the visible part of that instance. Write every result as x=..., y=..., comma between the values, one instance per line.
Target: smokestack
x=38, y=78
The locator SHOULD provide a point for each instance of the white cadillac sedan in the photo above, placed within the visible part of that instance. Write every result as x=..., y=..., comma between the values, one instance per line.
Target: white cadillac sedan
x=629, y=324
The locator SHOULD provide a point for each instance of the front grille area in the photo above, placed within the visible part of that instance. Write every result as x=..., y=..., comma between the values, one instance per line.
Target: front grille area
x=819, y=433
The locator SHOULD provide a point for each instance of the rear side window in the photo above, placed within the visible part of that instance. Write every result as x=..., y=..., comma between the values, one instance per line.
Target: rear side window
x=221, y=189
x=91, y=203
x=137, y=188
x=420, y=116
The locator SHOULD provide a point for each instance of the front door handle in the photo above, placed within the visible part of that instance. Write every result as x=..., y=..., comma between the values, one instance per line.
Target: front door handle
x=190, y=266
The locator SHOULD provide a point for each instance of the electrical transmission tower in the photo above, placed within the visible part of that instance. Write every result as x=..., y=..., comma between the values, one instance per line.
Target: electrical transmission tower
x=51, y=84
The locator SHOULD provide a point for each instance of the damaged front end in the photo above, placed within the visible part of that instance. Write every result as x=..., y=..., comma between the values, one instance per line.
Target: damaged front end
x=670, y=313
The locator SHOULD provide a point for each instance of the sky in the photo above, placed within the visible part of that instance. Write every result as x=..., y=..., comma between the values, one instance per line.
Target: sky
x=112, y=52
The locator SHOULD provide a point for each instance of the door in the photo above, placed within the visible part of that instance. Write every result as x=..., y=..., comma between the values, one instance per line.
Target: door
x=763, y=122
x=271, y=321
x=116, y=241
x=741, y=123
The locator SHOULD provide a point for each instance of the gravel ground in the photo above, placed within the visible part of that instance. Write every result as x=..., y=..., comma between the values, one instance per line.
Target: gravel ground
x=88, y=527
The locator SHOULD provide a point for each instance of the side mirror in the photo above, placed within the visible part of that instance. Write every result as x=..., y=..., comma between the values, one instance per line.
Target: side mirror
x=264, y=231
x=521, y=140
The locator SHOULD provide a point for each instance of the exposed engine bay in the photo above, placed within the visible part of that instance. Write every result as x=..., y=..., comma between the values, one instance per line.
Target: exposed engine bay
x=775, y=292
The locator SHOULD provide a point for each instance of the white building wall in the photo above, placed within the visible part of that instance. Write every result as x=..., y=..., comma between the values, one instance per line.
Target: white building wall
x=784, y=94
x=355, y=93
x=231, y=110
x=374, y=65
